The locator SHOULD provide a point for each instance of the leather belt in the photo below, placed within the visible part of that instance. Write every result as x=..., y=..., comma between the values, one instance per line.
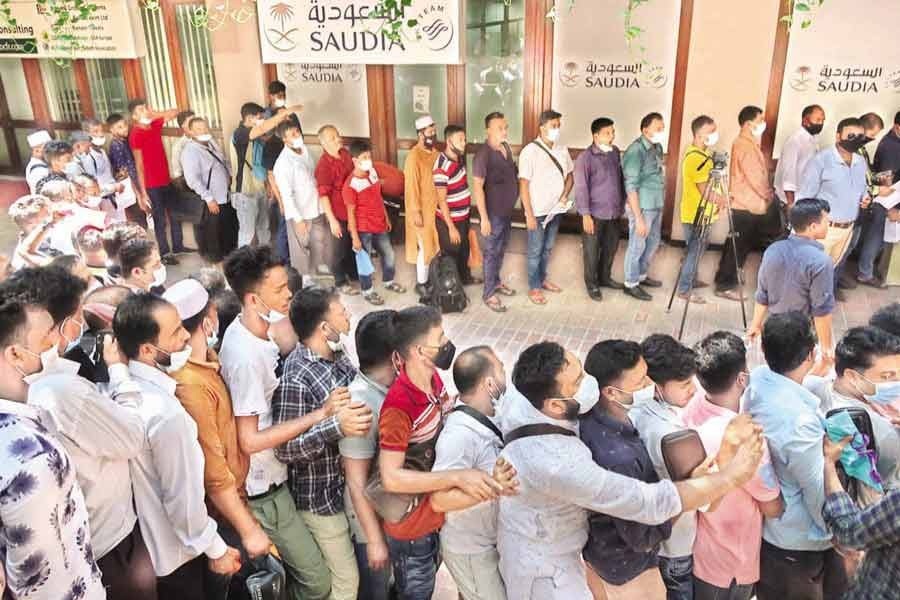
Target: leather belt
x=846, y=225
x=272, y=489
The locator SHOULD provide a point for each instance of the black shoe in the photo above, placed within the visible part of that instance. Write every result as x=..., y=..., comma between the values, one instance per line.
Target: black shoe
x=422, y=289
x=638, y=293
x=847, y=282
x=613, y=284
x=651, y=283
x=840, y=295
x=595, y=294
x=184, y=250
x=872, y=282
x=169, y=259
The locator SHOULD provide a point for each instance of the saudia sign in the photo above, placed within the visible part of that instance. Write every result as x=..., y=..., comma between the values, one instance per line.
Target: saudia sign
x=346, y=32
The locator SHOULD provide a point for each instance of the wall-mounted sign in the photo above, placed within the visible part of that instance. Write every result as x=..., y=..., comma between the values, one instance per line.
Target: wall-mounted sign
x=343, y=31
x=114, y=30
x=596, y=75
x=331, y=94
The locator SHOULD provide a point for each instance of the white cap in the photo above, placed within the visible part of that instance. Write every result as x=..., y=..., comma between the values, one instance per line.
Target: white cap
x=188, y=296
x=423, y=122
x=38, y=138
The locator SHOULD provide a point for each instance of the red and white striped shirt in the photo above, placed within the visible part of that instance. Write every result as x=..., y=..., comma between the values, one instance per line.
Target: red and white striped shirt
x=450, y=174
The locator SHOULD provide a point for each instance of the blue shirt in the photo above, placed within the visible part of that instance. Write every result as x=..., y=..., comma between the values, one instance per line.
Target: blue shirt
x=643, y=170
x=796, y=274
x=793, y=426
x=827, y=177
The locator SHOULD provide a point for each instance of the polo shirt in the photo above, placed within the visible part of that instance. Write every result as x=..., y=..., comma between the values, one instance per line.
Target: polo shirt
x=695, y=169
x=149, y=141
x=796, y=274
x=545, y=182
x=411, y=416
x=501, y=179
x=331, y=173
x=451, y=175
x=364, y=195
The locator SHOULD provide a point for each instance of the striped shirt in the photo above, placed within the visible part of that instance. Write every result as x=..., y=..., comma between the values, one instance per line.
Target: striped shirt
x=451, y=175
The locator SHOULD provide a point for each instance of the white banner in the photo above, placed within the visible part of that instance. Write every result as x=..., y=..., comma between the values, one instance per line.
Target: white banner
x=596, y=75
x=829, y=64
x=341, y=31
x=330, y=94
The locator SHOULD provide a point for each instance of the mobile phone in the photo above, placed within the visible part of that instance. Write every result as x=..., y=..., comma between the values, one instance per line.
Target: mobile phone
x=682, y=453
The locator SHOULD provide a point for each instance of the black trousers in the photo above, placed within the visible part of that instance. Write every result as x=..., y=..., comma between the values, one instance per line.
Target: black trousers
x=599, y=250
x=127, y=570
x=344, y=267
x=459, y=252
x=217, y=234
x=799, y=575
x=752, y=232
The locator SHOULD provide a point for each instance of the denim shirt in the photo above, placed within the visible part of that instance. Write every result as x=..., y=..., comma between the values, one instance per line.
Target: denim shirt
x=643, y=169
x=827, y=177
x=793, y=425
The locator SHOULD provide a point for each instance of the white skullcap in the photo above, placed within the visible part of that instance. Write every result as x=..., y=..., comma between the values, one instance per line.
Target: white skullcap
x=38, y=137
x=188, y=296
x=423, y=122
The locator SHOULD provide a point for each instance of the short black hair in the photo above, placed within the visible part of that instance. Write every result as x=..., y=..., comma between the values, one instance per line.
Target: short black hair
x=134, y=323
x=471, y=367
x=183, y=116
x=114, y=118
x=787, y=340
x=133, y=104
x=535, y=372
x=848, y=122
x=608, y=359
x=65, y=261
x=897, y=118
x=294, y=279
x=228, y=306
x=308, y=309
x=249, y=109
x=55, y=149
x=13, y=318
x=700, y=122
x=721, y=357
x=285, y=126
x=247, y=266
x=648, y=119
x=491, y=116
x=547, y=116
x=358, y=147
x=135, y=253
x=52, y=288
x=809, y=110
x=887, y=318
x=668, y=359
x=871, y=120
x=860, y=346
x=411, y=324
x=374, y=339
x=601, y=123
x=452, y=129
x=807, y=211
x=276, y=87
x=748, y=113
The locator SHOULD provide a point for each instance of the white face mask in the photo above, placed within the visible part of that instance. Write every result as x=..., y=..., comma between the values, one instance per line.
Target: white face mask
x=72, y=168
x=496, y=401
x=77, y=340
x=259, y=121
x=365, y=165
x=49, y=361
x=279, y=102
x=98, y=140
x=553, y=134
x=159, y=276
x=213, y=339
x=759, y=129
x=177, y=360
x=587, y=395
x=273, y=317
x=93, y=201
x=145, y=121
x=658, y=137
x=605, y=147
x=712, y=139
x=204, y=138
x=335, y=346
x=297, y=144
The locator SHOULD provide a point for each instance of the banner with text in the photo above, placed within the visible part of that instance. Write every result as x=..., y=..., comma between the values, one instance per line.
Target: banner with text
x=845, y=74
x=595, y=74
x=343, y=31
x=114, y=30
x=330, y=94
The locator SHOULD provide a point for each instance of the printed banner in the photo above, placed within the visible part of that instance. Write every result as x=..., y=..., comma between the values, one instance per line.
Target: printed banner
x=331, y=94
x=342, y=31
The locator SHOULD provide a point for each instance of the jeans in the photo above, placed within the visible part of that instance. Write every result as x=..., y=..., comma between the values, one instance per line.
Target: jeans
x=332, y=534
x=872, y=239
x=707, y=591
x=373, y=585
x=678, y=575
x=282, y=248
x=800, y=575
x=839, y=267
x=640, y=250
x=598, y=252
x=540, y=243
x=382, y=243
x=253, y=218
x=415, y=566
x=493, y=248
x=460, y=251
x=691, y=258
x=162, y=200
x=752, y=232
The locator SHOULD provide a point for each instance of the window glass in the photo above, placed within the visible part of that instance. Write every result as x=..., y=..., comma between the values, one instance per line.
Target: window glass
x=107, y=86
x=419, y=90
x=62, y=93
x=16, y=89
x=156, y=64
x=198, y=65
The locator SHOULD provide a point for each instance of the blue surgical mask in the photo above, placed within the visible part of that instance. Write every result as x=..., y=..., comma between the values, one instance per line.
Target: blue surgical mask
x=886, y=392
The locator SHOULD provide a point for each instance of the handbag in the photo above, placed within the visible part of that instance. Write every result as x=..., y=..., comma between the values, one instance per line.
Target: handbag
x=190, y=207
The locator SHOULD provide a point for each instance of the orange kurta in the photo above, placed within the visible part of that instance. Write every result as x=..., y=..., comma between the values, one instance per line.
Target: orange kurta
x=420, y=194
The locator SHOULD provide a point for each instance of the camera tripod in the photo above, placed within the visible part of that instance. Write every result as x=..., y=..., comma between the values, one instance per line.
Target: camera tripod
x=702, y=225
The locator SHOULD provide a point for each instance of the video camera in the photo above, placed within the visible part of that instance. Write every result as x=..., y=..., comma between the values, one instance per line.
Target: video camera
x=720, y=160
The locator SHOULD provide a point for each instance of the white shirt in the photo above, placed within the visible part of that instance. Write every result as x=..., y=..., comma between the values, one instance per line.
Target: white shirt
x=248, y=368
x=96, y=163
x=795, y=153
x=36, y=170
x=545, y=183
x=296, y=180
x=175, y=169
x=101, y=433
x=168, y=478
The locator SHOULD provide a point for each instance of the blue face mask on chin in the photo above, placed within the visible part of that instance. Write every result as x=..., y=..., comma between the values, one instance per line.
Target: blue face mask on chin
x=886, y=392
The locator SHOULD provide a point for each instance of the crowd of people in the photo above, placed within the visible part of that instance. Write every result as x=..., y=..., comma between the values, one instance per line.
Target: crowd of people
x=172, y=439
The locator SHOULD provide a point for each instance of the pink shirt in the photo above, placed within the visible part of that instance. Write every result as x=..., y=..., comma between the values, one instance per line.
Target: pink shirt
x=728, y=539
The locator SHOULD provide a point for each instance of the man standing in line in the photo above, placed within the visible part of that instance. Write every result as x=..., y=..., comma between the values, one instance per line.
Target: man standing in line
x=183, y=119
x=642, y=167
x=245, y=152
x=96, y=164
x=545, y=180
x=123, y=165
x=756, y=217
x=421, y=201
x=37, y=168
x=495, y=186
x=796, y=152
x=600, y=200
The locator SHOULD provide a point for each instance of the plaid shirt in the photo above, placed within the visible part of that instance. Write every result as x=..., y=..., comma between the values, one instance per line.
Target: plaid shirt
x=315, y=477
x=876, y=530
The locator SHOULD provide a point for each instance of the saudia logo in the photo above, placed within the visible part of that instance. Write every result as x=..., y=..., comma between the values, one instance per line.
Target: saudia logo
x=617, y=76
x=279, y=32
x=435, y=29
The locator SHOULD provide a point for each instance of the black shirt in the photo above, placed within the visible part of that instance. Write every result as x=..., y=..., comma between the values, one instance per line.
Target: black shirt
x=887, y=156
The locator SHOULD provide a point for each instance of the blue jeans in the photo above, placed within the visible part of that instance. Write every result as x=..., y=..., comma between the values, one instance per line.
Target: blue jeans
x=415, y=566
x=872, y=240
x=382, y=243
x=493, y=247
x=373, y=585
x=640, y=250
x=678, y=575
x=692, y=258
x=540, y=243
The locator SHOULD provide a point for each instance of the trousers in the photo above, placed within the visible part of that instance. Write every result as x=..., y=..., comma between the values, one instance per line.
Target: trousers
x=460, y=251
x=127, y=569
x=752, y=232
x=415, y=566
x=599, y=251
x=493, y=248
x=800, y=575
x=310, y=251
x=162, y=200
x=253, y=218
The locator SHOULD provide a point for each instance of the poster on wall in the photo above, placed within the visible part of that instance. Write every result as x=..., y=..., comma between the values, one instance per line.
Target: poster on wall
x=113, y=30
x=595, y=74
x=845, y=75
x=330, y=94
x=343, y=31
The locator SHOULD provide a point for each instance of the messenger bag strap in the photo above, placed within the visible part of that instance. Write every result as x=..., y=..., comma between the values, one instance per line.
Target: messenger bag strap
x=550, y=154
x=536, y=429
x=465, y=409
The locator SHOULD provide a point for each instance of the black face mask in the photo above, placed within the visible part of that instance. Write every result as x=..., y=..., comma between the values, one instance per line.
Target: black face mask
x=853, y=145
x=429, y=141
x=869, y=139
x=444, y=358
x=814, y=128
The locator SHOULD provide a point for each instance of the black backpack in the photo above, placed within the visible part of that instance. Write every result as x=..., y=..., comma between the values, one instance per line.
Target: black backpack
x=445, y=288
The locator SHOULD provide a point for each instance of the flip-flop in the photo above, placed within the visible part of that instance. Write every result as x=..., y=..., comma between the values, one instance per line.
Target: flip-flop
x=537, y=297
x=505, y=291
x=495, y=305
x=551, y=287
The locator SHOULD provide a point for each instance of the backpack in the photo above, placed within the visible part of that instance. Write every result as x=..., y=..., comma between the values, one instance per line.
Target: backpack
x=446, y=291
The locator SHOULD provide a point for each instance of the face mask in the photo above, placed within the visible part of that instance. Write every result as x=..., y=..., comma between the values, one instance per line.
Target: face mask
x=658, y=137
x=72, y=168
x=365, y=165
x=553, y=134
x=496, y=401
x=93, y=201
x=869, y=139
x=98, y=140
x=335, y=345
x=297, y=144
x=259, y=121
x=177, y=360
x=814, y=128
x=587, y=395
x=213, y=338
x=203, y=138
x=886, y=392
x=279, y=102
x=146, y=121
x=605, y=147
x=712, y=139
x=429, y=141
x=852, y=145
x=49, y=360
x=159, y=276
x=273, y=317
x=77, y=339
x=645, y=394
x=759, y=129
x=444, y=358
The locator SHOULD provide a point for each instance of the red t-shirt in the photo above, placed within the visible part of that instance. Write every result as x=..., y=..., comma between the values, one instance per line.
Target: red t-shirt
x=149, y=141
x=410, y=416
x=331, y=173
x=364, y=194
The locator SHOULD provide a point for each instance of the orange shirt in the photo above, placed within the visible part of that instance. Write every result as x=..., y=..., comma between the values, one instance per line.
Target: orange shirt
x=749, y=174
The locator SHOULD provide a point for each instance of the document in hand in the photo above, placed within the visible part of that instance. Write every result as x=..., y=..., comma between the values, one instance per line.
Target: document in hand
x=126, y=197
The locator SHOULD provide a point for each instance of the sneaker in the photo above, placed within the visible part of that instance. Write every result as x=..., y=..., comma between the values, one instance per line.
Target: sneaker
x=169, y=259
x=395, y=287
x=638, y=293
x=651, y=283
x=373, y=298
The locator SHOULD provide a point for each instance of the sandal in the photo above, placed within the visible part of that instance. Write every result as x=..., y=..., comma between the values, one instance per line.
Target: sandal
x=695, y=298
x=552, y=287
x=734, y=295
x=395, y=287
x=505, y=291
x=373, y=298
x=537, y=297
x=348, y=290
x=495, y=305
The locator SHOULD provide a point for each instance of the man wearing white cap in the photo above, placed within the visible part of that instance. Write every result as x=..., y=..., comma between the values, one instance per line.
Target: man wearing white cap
x=37, y=168
x=205, y=397
x=420, y=197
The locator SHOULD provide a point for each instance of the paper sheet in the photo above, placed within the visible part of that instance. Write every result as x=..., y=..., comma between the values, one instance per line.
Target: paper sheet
x=127, y=197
